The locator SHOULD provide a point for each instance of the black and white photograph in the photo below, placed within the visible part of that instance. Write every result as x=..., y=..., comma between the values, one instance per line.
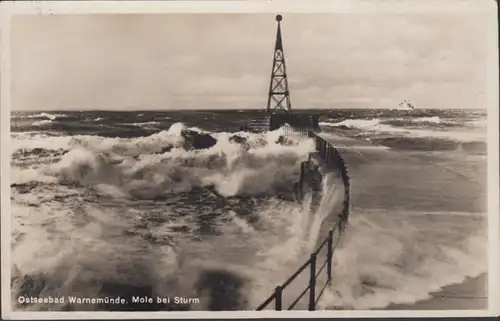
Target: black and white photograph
x=257, y=158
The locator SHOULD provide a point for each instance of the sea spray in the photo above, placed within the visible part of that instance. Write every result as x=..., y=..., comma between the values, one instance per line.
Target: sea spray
x=125, y=212
x=133, y=227
x=386, y=260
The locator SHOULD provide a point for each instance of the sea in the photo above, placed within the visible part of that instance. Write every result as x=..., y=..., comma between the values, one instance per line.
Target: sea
x=104, y=202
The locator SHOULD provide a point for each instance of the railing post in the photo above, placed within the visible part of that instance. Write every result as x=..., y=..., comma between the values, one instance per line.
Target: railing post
x=312, y=284
x=301, y=181
x=277, y=298
x=329, y=255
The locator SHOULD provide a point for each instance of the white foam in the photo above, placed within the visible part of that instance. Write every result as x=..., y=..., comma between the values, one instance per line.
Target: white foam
x=75, y=241
x=391, y=258
x=375, y=125
x=47, y=115
x=433, y=119
x=42, y=122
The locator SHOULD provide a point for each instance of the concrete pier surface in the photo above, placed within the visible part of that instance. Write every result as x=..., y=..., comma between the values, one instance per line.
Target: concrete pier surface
x=446, y=206
x=387, y=179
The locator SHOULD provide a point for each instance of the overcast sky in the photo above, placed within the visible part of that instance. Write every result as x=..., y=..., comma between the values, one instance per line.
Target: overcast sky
x=176, y=61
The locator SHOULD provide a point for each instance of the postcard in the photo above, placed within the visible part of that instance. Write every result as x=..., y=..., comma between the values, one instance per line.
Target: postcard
x=248, y=159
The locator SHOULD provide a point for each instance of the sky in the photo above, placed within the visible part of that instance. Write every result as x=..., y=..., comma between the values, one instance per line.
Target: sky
x=218, y=61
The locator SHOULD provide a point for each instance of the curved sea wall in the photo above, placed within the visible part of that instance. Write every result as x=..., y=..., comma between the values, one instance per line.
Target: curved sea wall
x=324, y=176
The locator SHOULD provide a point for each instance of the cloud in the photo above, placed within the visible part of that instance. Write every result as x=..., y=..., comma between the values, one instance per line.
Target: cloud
x=192, y=61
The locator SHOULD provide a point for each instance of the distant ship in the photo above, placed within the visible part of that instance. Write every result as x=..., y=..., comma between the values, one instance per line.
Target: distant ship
x=406, y=105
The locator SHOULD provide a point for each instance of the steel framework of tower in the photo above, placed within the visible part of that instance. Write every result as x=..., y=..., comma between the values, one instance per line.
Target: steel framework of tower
x=279, y=95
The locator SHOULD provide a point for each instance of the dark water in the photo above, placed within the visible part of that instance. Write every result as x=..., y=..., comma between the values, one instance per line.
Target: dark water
x=418, y=129
x=103, y=198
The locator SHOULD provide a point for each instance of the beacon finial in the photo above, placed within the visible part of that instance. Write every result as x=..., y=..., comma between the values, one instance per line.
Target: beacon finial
x=279, y=18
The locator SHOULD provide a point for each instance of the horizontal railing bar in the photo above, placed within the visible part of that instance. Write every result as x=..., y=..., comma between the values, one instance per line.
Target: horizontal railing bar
x=306, y=264
x=302, y=268
x=321, y=292
x=321, y=246
x=269, y=300
x=300, y=297
x=321, y=268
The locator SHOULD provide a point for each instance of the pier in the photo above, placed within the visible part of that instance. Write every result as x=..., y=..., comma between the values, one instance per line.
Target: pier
x=280, y=115
x=381, y=171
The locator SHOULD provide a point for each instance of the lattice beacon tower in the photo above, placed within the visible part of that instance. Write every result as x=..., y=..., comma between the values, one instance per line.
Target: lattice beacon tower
x=279, y=95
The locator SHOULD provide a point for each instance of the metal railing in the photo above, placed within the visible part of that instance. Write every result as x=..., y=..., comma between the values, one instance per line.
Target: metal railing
x=331, y=243
x=333, y=159
x=293, y=131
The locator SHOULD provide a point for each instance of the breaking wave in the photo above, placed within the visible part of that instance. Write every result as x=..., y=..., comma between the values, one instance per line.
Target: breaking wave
x=48, y=116
x=376, y=125
x=111, y=213
x=391, y=258
x=96, y=216
x=150, y=124
x=159, y=163
x=433, y=119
